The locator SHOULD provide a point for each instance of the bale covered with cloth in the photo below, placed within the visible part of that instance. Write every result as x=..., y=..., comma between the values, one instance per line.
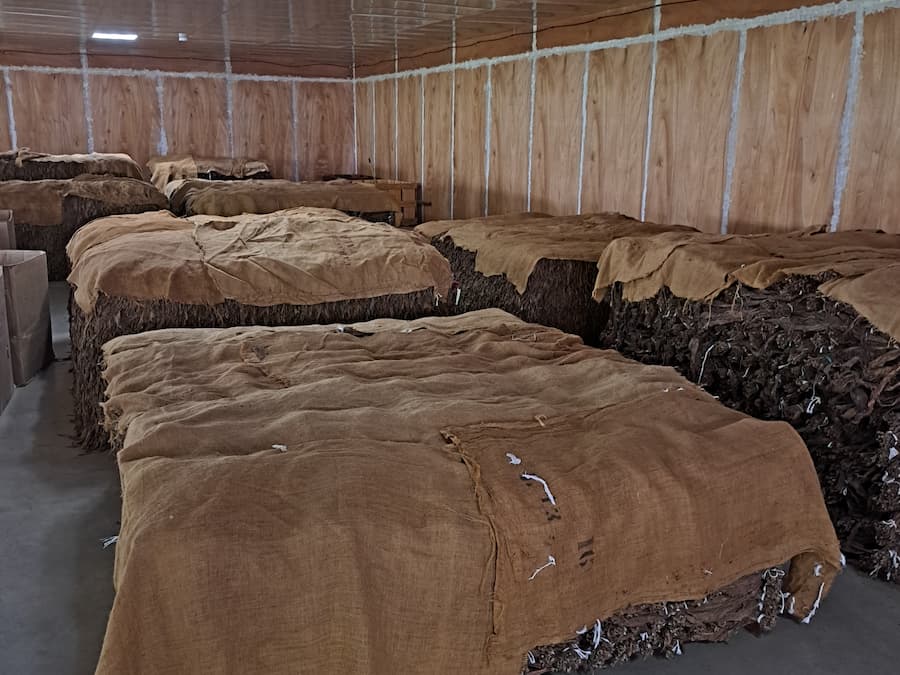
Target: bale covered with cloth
x=801, y=327
x=538, y=267
x=168, y=168
x=48, y=212
x=301, y=266
x=326, y=498
x=193, y=197
x=23, y=164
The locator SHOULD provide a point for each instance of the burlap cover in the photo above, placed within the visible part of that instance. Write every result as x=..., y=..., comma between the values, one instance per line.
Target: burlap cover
x=513, y=244
x=98, y=163
x=291, y=503
x=700, y=266
x=231, y=198
x=164, y=170
x=302, y=256
x=40, y=202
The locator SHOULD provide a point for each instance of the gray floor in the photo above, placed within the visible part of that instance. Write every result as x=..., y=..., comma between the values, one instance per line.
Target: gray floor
x=56, y=589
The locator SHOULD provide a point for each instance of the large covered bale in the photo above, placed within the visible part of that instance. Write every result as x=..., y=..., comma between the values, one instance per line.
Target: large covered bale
x=487, y=483
x=48, y=212
x=168, y=168
x=801, y=328
x=537, y=267
x=23, y=164
x=137, y=273
x=192, y=197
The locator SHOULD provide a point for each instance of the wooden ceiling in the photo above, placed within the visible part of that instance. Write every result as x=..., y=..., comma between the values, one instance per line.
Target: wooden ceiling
x=327, y=34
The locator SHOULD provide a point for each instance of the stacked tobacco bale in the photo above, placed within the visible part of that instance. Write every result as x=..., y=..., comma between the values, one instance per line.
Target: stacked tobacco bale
x=48, y=212
x=800, y=327
x=538, y=267
x=192, y=197
x=301, y=266
x=484, y=482
x=26, y=165
x=164, y=170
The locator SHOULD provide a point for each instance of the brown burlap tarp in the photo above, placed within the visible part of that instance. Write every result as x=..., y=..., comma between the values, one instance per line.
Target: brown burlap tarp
x=865, y=265
x=164, y=170
x=220, y=198
x=513, y=244
x=302, y=256
x=23, y=164
x=291, y=503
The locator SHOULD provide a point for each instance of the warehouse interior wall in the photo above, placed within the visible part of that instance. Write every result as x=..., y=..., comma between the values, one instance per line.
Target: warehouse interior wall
x=62, y=98
x=729, y=116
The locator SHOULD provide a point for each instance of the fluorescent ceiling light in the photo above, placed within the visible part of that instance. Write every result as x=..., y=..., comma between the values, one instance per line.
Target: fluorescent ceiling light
x=99, y=35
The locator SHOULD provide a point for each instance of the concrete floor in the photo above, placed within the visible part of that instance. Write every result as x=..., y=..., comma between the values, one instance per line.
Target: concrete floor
x=56, y=586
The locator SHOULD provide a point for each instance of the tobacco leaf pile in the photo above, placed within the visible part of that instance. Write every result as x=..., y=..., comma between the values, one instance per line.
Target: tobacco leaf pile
x=790, y=353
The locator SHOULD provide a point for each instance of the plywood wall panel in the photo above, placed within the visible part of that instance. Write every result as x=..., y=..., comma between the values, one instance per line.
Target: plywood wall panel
x=795, y=83
x=196, y=116
x=324, y=129
x=49, y=111
x=616, y=19
x=615, y=135
x=385, y=157
x=872, y=197
x=365, y=107
x=709, y=11
x=691, y=118
x=438, y=124
x=559, y=87
x=263, y=124
x=409, y=122
x=468, y=160
x=126, y=116
x=510, y=112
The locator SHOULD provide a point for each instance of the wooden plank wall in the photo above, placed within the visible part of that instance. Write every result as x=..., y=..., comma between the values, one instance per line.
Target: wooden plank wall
x=740, y=129
x=303, y=128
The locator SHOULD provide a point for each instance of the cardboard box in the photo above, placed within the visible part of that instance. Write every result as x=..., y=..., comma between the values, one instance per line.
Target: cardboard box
x=7, y=231
x=7, y=387
x=27, y=312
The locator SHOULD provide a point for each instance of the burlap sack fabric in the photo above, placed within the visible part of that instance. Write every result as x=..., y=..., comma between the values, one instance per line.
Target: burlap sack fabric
x=23, y=163
x=700, y=266
x=164, y=170
x=302, y=256
x=513, y=244
x=40, y=202
x=291, y=502
x=227, y=198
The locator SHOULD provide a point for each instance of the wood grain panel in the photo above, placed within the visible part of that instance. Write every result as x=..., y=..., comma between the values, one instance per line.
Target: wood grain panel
x=365, y=100
x=616, y=131
x=49, y=111
x=384, y=129
x=409, y=139
x=557, y=133
x=263, y=124
x=691, y=118
x=324, y=129
x=510, y=111
x=478, y=38
x=709, y=11
x=126, y=116
x=795, y=83
x=618, y=19
x=468, y=160
x=436, y=187
x=872, y=197
x=196, y=116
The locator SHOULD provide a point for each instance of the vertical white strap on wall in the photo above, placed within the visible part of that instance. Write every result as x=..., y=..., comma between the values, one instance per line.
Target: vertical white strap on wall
x=354, y=85
x=374, y=131
x=657, y=13
x=295, y=126
x=533, y=58
x=584, y=100
x=422, y=134
x=846, y=132
x=453, y=122
x=86, y=97
x=162, y=144
x=488, y=96
x=10, y=112
x=229, y=81
x=396, y=103
x=731, y=145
